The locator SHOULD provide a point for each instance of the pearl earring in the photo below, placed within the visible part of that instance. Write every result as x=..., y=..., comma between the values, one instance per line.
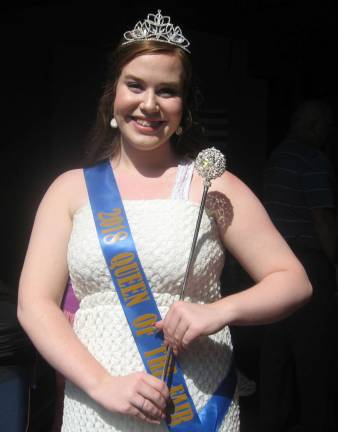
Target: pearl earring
x=113, y=123
x=179, y=131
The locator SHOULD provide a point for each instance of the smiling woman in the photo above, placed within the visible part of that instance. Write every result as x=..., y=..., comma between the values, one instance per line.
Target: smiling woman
x=146, y=111
x=122, y=229
x=173, y=84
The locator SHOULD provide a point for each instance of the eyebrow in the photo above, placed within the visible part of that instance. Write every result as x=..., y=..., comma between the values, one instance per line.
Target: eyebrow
x=170, y=84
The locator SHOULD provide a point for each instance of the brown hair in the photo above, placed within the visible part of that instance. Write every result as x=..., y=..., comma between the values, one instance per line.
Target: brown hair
x=103, y=141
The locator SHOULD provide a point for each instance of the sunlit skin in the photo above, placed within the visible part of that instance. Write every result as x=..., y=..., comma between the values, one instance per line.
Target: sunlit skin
x=149, y=90
x=148, y=109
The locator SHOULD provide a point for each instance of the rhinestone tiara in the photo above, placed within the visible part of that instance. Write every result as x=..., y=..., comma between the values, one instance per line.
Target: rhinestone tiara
x=157, y=27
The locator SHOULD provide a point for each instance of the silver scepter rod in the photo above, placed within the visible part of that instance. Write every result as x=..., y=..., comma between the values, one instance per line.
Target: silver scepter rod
x=210, y=164
x=169, y=352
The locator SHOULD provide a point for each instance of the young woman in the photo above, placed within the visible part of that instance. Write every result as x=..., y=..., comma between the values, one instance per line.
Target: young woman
x=142, y=130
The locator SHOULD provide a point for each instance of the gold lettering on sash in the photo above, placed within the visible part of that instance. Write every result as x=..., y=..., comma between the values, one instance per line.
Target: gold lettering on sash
x=137, y=298
x=161, y=350
x=112, y=229
x=156, y=366
x=136, y=291
x=113, y=226
x=129, y=289
x=125, y=281
x=113, y=238
x=121, y=259
x=183, y=411
x=111, y=219
x=144, y=324
x=183, y=414
x=156, y=363
x=126, y=270
x=133, y=289
x=177, y=394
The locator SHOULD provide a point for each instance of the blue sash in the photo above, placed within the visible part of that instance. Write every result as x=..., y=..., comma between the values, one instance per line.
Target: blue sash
x=140, y=307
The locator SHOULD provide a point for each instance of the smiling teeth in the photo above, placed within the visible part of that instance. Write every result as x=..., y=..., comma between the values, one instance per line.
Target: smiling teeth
x=146, y=123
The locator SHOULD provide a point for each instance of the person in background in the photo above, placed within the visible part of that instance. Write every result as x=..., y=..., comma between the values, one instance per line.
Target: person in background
x=297, y=353
x=16, y=363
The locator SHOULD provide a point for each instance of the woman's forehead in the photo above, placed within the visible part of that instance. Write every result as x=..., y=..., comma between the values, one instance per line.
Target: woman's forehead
x=160, y=65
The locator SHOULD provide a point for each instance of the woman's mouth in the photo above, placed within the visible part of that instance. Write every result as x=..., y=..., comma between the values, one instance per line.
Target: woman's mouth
x=147, y=125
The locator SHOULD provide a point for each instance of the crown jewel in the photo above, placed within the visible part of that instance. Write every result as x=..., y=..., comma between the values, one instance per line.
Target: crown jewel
x=157, y=27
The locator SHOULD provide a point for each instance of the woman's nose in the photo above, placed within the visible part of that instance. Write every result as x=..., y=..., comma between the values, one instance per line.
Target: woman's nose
x=149, y=102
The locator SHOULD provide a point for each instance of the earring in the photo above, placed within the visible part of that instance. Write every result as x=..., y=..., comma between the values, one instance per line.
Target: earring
x=113, y=123
x=179, y=131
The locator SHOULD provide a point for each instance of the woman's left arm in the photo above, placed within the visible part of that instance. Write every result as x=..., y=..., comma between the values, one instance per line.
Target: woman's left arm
x=281, y=282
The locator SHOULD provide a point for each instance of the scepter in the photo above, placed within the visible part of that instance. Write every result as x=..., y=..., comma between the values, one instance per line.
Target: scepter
x=210, y=164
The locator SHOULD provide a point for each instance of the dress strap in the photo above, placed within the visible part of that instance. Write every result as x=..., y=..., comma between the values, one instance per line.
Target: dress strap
x=183, y=180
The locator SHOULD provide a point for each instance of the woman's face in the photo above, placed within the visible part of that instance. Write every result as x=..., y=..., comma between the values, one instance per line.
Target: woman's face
x=148, y=103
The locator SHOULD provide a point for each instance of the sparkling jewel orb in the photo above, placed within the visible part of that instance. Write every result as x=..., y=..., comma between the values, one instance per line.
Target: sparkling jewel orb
x=157, y=27
x=210, y=164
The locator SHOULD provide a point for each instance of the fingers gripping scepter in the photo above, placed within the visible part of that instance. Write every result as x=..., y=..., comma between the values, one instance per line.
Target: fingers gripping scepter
x=210, y=164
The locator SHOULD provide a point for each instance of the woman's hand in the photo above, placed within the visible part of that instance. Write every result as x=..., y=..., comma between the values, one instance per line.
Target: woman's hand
x=185, y=322
x=139, y=394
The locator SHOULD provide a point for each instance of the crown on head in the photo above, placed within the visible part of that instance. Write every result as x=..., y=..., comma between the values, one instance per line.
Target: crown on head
x=157, y=27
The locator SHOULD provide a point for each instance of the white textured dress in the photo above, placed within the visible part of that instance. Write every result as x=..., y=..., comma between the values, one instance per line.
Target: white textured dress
x=162, y=230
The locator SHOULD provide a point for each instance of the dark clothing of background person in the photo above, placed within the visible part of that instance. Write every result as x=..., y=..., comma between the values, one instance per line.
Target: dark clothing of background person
x=297, y=353
x=298, y=179
x=16, y=357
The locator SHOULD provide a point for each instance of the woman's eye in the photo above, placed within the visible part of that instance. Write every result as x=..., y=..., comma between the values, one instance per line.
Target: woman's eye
x=164, y=92
x=168, y=92
x=133, y=85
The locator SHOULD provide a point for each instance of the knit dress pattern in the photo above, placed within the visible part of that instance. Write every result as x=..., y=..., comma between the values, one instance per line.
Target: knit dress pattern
x=162, y=230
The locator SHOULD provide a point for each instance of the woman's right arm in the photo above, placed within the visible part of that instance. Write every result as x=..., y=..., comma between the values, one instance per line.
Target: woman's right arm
x=41, y=288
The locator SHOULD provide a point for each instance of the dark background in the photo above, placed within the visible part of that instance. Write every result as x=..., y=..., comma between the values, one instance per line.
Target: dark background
x=254, y=61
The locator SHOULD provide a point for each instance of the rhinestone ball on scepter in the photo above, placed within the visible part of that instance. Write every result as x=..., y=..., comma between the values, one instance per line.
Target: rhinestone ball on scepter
x=210, y=164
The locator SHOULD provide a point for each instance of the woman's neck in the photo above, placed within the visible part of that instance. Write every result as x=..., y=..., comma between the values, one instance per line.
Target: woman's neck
x=148, y=163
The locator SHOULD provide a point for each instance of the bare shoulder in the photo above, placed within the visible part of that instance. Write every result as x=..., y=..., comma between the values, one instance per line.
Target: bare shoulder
x=237, y=192
x=230, y=184
x=239, y=206
x=69, y=189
